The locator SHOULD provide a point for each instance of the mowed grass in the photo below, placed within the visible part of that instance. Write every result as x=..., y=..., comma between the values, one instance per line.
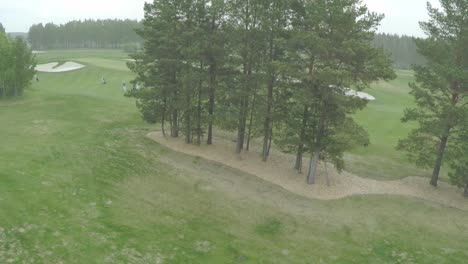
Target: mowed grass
x=80, y=183
x=382, y=119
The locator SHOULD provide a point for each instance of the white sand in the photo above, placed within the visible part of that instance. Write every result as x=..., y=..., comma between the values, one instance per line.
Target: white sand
x=52, y=67
x=37, y=51
x=46, y=67
x=278, y=170
x=406, y=74
x=362, y=95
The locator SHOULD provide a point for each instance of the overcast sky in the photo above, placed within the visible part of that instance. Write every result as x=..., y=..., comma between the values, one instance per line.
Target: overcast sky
x=401, y=16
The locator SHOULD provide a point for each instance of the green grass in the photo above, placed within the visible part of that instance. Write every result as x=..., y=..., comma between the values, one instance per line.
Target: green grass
x=79, y=183
x=382, y=119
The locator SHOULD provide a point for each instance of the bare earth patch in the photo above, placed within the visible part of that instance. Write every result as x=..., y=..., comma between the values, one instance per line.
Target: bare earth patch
x=278, y=170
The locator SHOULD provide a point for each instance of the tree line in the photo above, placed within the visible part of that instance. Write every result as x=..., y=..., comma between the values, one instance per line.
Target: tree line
x=17, y=66
x=402, y=49
x=441, y=95
x=121, y=34
x=108, y=33
x=278, y=70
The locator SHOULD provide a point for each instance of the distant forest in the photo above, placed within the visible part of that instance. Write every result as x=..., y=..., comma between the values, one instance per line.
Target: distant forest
x=402, y=50
x=115, y=34
x=109, y=33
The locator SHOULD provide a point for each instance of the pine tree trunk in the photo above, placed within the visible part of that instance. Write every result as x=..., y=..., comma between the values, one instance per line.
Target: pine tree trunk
x=300, y=146
x=312, y=168
x=171, y=124
x=465, y=193
x=175, y=124
x=163, y=119
x=239, y=129
x=326, y=173
x=298, y=165
x=211, y=105
x=267, y=124
x=269, y=142
x=199, y=108
x=162, y=127
x=440, y=156
x=241, y=126
x=188, y=125
x=249, y=134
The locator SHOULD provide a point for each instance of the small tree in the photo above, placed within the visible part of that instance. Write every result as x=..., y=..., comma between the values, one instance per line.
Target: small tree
x=25, y=65
x=441, y=86
x=17, y=66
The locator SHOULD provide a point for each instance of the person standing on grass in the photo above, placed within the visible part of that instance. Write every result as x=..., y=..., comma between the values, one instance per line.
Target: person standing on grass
x=103, y=80
x=36, y=78
x=124, y=86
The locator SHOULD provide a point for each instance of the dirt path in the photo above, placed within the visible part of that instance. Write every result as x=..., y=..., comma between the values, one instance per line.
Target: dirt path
x=278, y=170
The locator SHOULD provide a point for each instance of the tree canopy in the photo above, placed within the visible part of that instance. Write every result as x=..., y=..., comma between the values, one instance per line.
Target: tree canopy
x=441, y=87
x=276, y=69
x=16, y=66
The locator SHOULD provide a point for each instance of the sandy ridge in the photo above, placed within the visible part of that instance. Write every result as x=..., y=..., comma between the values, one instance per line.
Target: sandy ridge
x=278, y=170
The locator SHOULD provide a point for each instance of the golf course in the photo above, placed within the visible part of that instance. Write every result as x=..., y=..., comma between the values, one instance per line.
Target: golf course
x=82, y=182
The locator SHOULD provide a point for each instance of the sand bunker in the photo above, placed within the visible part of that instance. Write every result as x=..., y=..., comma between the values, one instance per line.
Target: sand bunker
x=52, y=67
x=362, y=95
x=37, y=51
x=278, y=170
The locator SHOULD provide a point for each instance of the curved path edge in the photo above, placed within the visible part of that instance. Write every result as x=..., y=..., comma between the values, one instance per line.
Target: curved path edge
x=278, y=170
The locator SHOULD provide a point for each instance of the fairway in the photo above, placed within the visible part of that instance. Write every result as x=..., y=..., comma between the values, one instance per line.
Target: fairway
x=81, y=183
x=381, y=160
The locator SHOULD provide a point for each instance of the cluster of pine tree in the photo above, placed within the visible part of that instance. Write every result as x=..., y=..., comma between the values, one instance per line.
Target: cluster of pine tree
x=402, y=49
x=17, y=65
x=278, y=70
x=109, y=33
x=441, y=94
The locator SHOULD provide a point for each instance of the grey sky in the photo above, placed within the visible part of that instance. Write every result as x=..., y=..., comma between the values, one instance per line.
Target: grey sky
x=401, y=16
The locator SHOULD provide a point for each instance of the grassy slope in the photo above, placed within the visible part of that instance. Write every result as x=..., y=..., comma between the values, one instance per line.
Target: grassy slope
x=80, y=183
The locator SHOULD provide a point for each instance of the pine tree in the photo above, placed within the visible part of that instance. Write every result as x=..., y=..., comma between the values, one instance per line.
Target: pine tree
x=214, y=55
x=441, y=89
x=248, y=41
x=24, y=66
x=331, y=51
x=275, y=22
x=159, y=65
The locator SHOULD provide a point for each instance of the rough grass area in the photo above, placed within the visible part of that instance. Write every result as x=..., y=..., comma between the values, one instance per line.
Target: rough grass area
x=80, y=183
